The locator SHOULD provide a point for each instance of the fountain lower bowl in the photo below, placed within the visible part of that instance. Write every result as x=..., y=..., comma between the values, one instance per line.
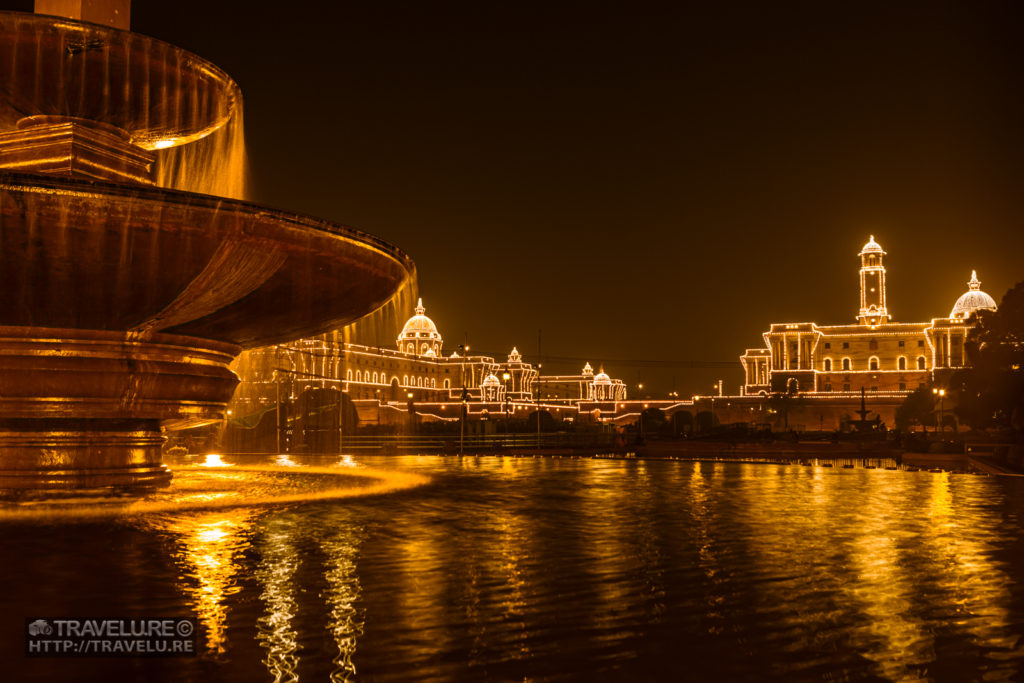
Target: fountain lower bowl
x=124, y=305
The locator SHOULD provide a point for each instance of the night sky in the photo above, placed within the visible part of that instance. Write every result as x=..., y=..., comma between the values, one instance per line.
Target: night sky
x=640, y=184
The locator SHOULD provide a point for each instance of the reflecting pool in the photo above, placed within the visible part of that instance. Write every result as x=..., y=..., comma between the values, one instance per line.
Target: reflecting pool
x=551, y=569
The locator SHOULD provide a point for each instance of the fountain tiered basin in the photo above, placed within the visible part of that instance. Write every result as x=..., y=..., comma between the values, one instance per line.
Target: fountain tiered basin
x=124, y=303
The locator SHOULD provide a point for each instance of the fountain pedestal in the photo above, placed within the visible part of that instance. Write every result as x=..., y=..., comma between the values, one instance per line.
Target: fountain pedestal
x=83, y=408
x=69, y=146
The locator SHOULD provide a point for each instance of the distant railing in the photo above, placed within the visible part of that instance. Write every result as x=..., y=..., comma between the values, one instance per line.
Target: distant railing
x=430, y=443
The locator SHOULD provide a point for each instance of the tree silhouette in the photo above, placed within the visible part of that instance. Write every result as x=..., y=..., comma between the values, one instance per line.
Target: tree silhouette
x=990, y=393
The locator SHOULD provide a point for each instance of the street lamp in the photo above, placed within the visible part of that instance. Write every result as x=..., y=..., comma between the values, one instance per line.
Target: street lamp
x=941, y=393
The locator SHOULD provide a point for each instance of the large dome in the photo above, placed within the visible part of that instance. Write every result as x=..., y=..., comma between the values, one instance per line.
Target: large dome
x=420, y=334
x=972, y=300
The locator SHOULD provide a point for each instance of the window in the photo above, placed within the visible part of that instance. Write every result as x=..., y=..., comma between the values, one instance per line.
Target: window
x=902, y=344
x=348, y=375
x=792, y=364
x=359, y=376
x=873, y=344
x=873, y=363
x=405, y=380
x=874, y=388
x=902, y=362
x=846, y=345
x=447, y=384
x=846, y=387
x=828, y=387
x=846, y=364
x=920, y=342
x=375, y=378
x=828, y=345
x=828, y=365
x=903, y=387
x=920, y=362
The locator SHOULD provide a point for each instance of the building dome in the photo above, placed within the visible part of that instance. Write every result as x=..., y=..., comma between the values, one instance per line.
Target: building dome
x=872, y=247
x=602, y=378
x=972, y=300
x=420, y=334
x=491, y=381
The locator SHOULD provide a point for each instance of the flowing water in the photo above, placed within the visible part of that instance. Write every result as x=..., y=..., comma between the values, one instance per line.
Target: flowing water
x=554, y=569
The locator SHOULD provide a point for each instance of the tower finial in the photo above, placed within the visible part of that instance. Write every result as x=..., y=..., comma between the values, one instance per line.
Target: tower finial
x=419, y=307
x=975, y=283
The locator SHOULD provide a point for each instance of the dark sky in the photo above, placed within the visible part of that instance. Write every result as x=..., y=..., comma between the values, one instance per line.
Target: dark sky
x=655, y=184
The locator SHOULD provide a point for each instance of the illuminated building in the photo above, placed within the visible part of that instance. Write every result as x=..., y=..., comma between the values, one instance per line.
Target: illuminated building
x=584, y=387
x=382, y=382
x=882, y=357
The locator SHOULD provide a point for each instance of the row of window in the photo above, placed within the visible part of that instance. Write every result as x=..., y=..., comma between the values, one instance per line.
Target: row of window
x=382, y=378
x=846, y=387
x=873, y=344
x=411, y=348
x=873, y=364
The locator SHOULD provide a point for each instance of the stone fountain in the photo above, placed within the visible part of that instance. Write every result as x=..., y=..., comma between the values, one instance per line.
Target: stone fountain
x=123, y=302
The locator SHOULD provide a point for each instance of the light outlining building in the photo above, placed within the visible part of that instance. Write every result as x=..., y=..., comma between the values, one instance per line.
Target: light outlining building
x=882, y=357
x=384, y=384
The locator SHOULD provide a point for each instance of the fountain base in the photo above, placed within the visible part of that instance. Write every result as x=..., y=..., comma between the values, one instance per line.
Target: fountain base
x=82, y=409
x=59, y=454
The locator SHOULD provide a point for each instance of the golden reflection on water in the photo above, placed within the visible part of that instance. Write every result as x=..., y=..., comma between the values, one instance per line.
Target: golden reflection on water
x=898, y=550
x=276, y=630
x=209, y=545
x=345, y=620
x=973, y=581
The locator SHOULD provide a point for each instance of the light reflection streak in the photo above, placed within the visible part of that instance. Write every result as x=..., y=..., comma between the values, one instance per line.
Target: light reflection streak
x=210, y=543
x=276, y=631
x=973, y=580
x=345, y=620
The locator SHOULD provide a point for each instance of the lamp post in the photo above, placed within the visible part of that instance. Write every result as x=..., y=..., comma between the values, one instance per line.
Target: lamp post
x=462, y=423
x=505, y=376
x=941, y=393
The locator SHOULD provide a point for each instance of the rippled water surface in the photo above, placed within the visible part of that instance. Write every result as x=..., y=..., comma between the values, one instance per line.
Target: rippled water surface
x=555, y=569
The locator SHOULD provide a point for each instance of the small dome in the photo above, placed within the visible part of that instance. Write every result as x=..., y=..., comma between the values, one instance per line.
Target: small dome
x=602, y=378
x=587, y=370
x=491, y=381
x=872, y=247
x=972, y=300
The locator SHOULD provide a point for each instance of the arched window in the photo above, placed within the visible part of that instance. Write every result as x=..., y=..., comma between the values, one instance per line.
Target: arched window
x=409, y=348
x=873, y=363
x=348, y=375
x=359, y=376
x=433, y=384
x=405, y=380
x=447, y=384
x=920, y=362
x=846, y=364
x=828, y=365
x=375, y=378
x=902, y=363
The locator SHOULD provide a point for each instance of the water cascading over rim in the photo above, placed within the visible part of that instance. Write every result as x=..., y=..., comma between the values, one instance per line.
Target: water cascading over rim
x=124, y=302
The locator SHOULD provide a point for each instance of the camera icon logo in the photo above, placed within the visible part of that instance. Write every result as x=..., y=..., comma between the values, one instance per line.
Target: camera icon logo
x=40, y=627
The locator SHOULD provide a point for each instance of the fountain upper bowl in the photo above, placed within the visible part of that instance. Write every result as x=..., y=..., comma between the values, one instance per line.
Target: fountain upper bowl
x=161, y=95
